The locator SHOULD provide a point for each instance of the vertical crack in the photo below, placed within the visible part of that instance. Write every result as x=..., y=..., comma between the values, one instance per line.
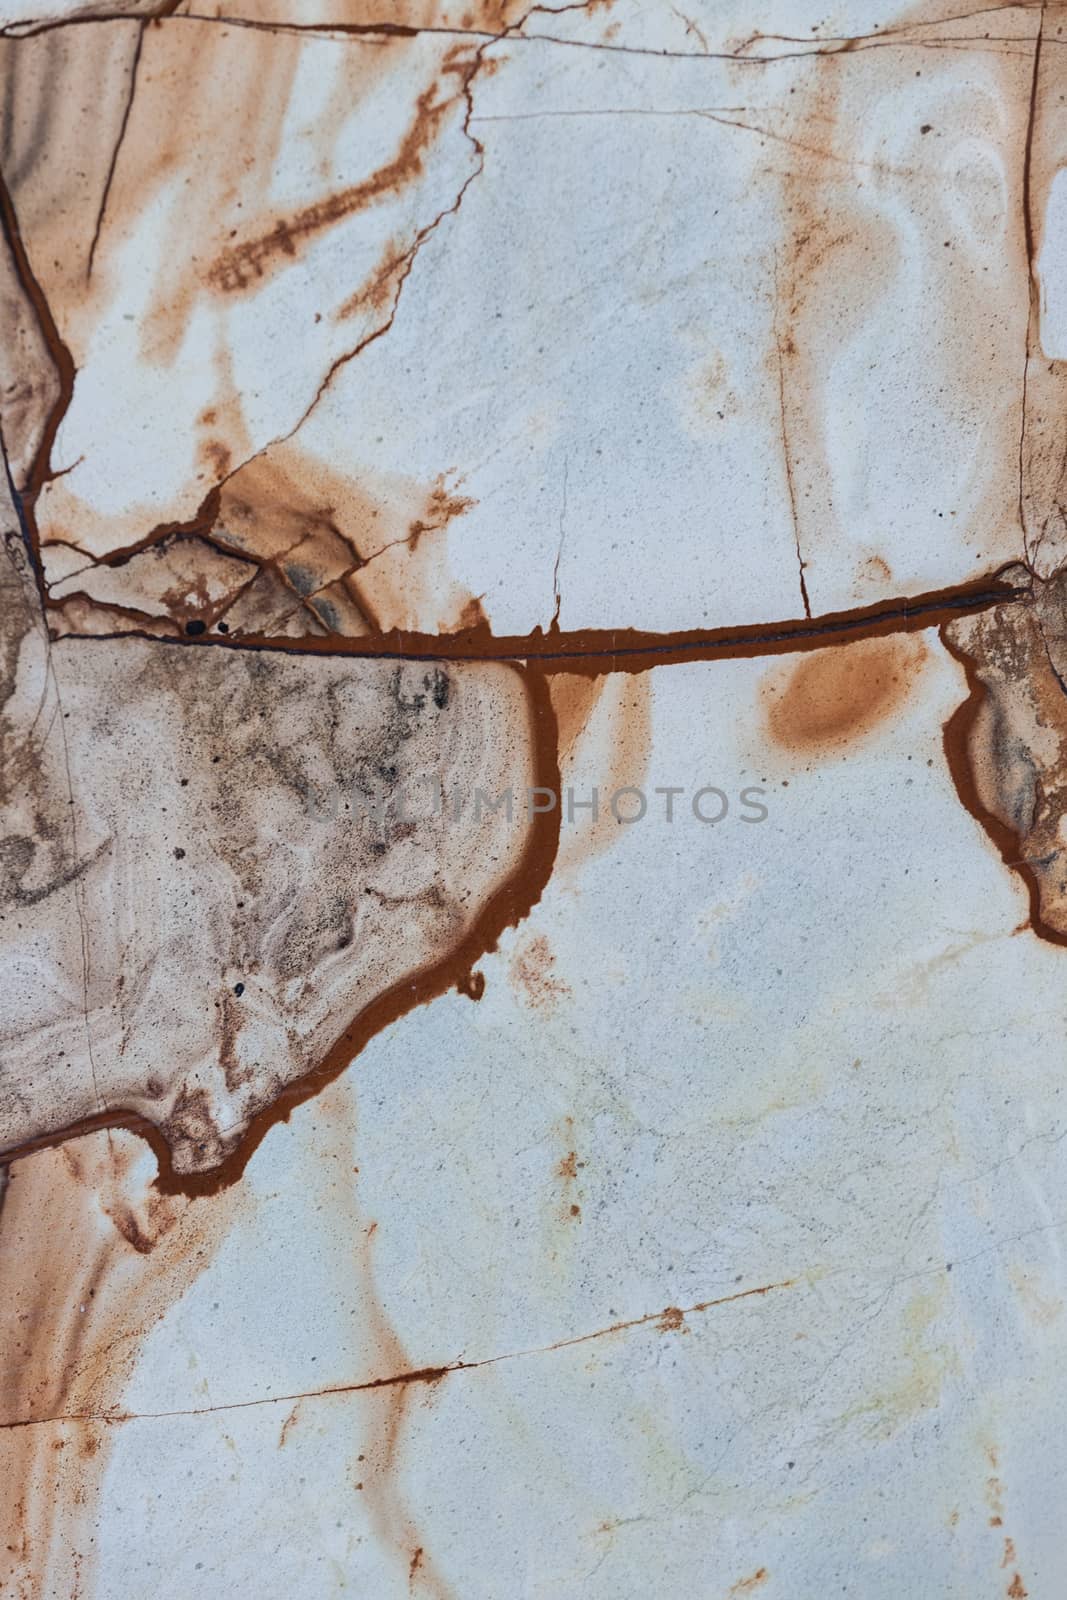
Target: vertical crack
x=554, y=625
x=784, y=427
x=1033, y=306
x=63, y=361
x=134, y=65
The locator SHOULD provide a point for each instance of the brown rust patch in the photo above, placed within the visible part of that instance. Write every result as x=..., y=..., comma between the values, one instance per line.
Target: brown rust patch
x=748, y=1585
x=994, y=1498
x=575, y=699
x=89, y=170
x=532, y=971
x=1006, y=745
x=876, y=569
x=600, y=652
x=350, y=545
x=216, y=456
x=835, y=697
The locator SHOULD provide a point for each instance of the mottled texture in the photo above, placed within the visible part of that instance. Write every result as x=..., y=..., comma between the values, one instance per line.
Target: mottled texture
x=214, y=862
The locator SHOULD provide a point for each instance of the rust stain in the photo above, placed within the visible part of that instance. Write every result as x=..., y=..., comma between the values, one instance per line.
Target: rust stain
x=93, y=1257
x=827, y=701
x=240, y=264
x=876, y=569
x=347, y=544
x=575, y=699
x=748, y=1585
x=289, y=1423
x=1006, y=745
x=994, y=1499
x=375, y=1473
x=821, y=227
x=407, y=585
x=163, y=87
x=245, y=88
x=385, y=280
x=270, y=506
x=217, y=456
x=566, y=1172
x=605, y=743
x=835, y=697
x=472, y=985
x=532, y=971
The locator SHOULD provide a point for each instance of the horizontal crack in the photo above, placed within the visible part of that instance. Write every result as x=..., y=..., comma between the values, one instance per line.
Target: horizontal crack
x=625, y=649
x=376, y=33
x=670, y=1317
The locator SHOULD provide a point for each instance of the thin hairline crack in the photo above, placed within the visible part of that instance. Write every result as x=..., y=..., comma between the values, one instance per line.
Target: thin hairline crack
x=669, y=1319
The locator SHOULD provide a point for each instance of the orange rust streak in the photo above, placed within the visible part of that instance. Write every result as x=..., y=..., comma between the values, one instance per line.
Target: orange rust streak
x=747, y=1585
x=233, y=268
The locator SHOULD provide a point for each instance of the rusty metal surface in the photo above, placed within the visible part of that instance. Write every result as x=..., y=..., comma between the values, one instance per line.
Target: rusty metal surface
x=533, y=780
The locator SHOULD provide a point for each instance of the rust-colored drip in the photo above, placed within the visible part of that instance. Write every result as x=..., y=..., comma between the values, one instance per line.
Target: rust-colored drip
x=606, y=743
x=375, y=1473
